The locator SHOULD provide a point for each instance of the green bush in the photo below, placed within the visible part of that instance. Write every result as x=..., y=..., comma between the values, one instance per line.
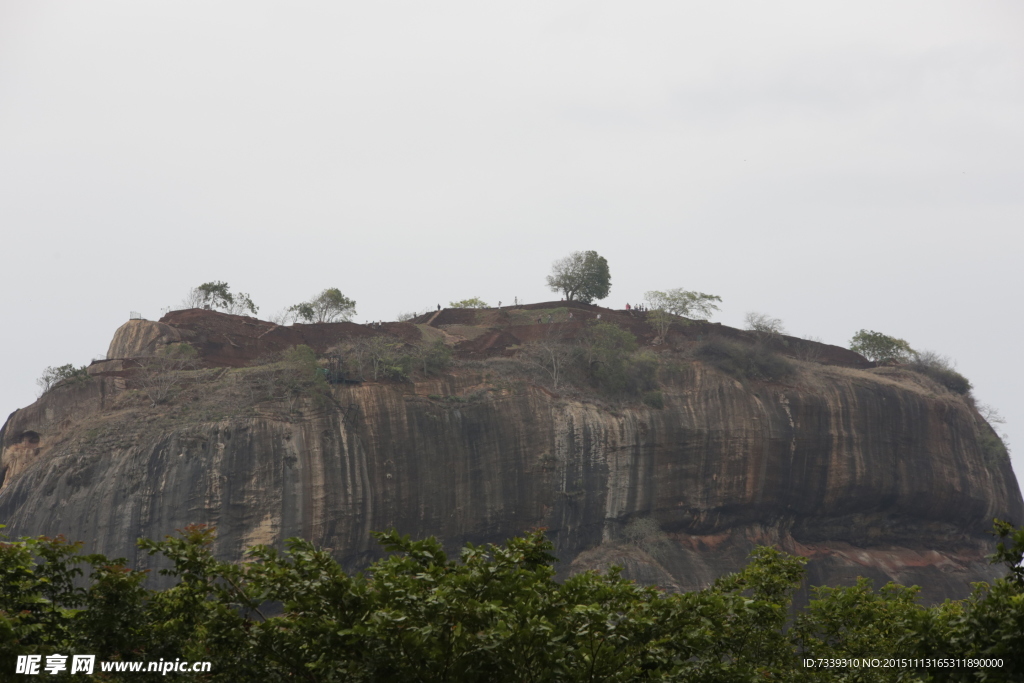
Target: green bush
x=472, y=302
x=641, y=372
x=993, y=450
x=609, y=358
x=52, y=376
x=940, y=369
x=328, y=306
x=881, y=348
x=606, y=349
x=743, y=361
x=379, y=357
x=436, y=358
x=301, y=375
x=303, y=357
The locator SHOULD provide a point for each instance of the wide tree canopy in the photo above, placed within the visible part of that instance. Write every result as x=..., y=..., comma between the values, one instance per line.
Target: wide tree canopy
x=881, y=348
x=218, y=295
x=581, y=276
x=328, y=306
x=684, y=303
x=472, y=302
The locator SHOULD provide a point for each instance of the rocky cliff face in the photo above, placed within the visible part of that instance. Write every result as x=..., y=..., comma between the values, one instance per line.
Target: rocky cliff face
x=872, y=472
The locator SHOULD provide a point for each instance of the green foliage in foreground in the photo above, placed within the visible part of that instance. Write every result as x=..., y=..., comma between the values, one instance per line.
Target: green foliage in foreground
x=495, y=614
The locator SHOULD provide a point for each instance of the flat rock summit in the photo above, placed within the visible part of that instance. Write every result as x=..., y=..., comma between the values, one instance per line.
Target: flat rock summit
x=866, y=471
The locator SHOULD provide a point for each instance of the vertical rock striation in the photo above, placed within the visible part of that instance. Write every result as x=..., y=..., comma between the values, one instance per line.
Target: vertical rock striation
x=866, y=472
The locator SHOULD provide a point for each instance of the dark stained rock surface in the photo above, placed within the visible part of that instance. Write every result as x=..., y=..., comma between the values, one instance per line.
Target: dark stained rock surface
x=866, y=471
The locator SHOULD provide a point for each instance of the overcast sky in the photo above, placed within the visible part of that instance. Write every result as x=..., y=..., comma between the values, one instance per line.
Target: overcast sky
x=837, y=165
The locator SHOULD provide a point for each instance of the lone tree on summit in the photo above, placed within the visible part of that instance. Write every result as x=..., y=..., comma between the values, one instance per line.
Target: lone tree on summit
x=328, y=307
x=667, y=306
x=881, y=348
x=581, y=276
x=217, y=295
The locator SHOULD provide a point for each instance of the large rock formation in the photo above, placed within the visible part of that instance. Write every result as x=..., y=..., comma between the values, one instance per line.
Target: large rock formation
x=866, y=471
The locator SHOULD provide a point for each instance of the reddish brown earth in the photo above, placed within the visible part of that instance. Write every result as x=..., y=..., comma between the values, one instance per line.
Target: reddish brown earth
x=225, y=340
x=504, y=334
x=235, y=341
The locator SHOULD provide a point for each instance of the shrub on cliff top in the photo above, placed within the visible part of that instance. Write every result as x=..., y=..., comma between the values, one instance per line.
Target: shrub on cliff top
x=881, y=348
x=52, y=376
x=302, y=358
x=678, y=306
x=743, y=361
x=433, y=358
x=383, y=356
x=328, y=306
x=940, y=369
x=472, y=302
x=610, y=360
x=683, y=303
x=217, y=295
x=993, y=449
x=765, y=328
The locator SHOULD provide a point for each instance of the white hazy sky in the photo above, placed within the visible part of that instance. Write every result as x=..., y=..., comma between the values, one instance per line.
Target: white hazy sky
x=838, y=165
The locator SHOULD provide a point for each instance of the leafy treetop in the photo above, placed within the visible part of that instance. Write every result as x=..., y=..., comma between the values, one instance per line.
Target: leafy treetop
x=495, y=613
x=472, y=302
x=581, y=276
x=327, y=307
x=53, y=376
x=217, y=295
x=881, y=348
x=668, y=307
x=764, y=326
x=683, y=303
